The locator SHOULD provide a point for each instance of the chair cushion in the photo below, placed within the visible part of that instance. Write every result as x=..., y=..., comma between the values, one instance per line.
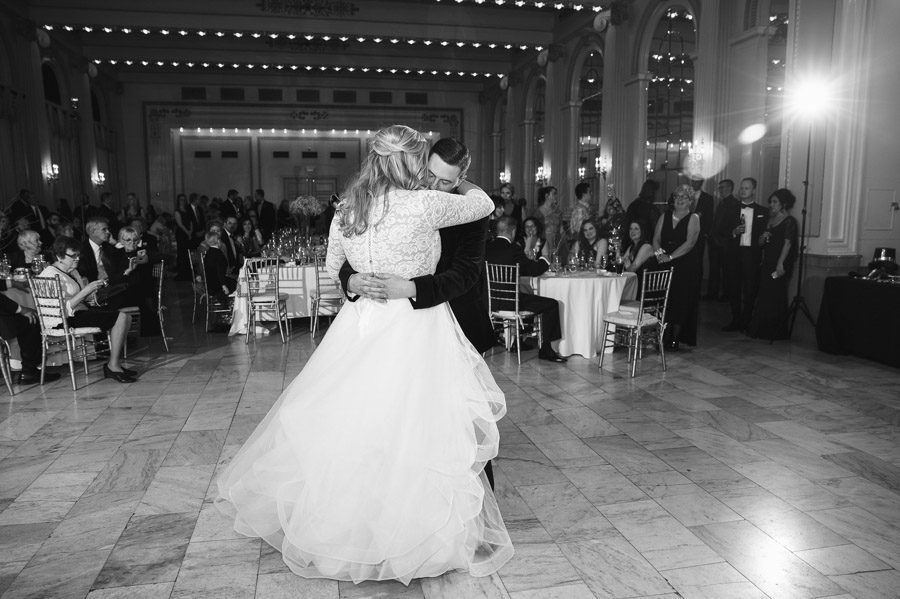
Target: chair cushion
x=75, y=331
x=630, y=319
x=511, y=314
x=129, y=310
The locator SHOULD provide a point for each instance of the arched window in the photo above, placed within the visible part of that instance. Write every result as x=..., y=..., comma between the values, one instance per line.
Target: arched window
x=537, y=115
x=670, y=91
x=52, y=92
x=590, y=93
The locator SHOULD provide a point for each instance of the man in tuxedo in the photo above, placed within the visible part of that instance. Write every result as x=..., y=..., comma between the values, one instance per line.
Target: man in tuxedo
x=743, y=253
x=459, y=277
x=229, y=245
x=265, y=215
x=233, y=205
x=502, y=250
x=21, y=323
x=704, y=205
x=718, y=239
x=38, y=216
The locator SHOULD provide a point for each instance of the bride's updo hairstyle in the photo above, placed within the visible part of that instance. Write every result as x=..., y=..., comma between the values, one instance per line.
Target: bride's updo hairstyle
x=397, y=159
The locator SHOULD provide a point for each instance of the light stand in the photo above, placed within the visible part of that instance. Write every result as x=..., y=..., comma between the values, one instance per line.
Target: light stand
x=798, y=304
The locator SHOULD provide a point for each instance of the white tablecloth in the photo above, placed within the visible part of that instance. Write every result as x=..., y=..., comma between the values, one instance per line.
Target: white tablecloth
x=584, y=299
x=298, y=282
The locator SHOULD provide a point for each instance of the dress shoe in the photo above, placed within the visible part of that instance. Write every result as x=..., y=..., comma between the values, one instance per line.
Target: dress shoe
x=551, y=356
x=732, y=327
x=117, y=376
x=30, y=377
x=673, y=346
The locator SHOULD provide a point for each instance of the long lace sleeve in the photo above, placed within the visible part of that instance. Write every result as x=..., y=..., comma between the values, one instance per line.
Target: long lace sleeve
x=336, y=255
x=448, y=209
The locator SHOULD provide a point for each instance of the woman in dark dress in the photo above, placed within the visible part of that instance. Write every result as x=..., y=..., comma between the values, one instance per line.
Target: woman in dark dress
x=676, y=235
x=779, y=243
x=637, y=254
x=184, y=232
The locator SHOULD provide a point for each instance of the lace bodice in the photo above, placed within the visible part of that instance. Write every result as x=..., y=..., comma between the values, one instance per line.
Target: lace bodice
x=406, y=241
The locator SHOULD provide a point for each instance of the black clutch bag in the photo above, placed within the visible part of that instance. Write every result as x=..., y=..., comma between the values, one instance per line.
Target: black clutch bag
x=104, y=294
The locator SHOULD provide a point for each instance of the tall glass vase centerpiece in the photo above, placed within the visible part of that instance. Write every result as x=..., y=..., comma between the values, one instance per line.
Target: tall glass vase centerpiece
x=304, y=208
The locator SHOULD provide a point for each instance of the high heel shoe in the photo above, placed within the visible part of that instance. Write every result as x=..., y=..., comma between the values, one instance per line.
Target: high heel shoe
x=132, y=373
x=121, y=377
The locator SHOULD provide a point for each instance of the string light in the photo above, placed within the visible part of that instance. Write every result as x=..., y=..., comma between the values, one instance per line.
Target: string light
x=343, y=38
x=323, y=68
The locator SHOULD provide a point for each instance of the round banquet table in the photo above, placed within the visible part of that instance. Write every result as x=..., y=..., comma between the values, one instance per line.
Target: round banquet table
x=585, y=298
x=298, y=282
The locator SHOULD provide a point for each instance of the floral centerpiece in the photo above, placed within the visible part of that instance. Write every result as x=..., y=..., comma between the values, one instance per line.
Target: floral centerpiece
x=303, y=208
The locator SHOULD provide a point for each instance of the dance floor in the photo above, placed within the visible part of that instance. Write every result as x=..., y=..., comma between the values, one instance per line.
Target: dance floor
x=748, y=470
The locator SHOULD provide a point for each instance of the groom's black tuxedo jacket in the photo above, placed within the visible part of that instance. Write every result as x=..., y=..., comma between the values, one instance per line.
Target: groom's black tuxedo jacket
x=459, y=278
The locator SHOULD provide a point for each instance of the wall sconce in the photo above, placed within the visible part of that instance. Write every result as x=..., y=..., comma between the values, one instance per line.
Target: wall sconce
x=540, y=177
x=51, y=173
x=504, y=176
x=581, y=172
x=649, y=166
x=99, y=180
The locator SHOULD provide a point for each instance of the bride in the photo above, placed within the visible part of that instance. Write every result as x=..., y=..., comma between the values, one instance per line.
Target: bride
x=370, y=464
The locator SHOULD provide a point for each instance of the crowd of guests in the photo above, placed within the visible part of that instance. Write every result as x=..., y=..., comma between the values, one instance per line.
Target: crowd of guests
x=751, y=249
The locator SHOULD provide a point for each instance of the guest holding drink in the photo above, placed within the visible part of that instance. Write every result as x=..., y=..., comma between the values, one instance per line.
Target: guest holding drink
x=675, y=243
x=590, y=247
x=250, y=239
x=779, y=251
x=533, y=240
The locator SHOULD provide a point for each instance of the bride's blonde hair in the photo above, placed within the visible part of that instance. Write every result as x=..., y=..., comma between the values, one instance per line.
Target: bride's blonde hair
x=397, y=159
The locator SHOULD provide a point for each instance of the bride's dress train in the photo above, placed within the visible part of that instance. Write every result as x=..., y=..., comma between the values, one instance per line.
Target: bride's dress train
x=371, y=469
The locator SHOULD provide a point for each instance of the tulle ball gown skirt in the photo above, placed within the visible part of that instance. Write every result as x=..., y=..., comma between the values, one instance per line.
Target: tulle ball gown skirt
x=370, y=464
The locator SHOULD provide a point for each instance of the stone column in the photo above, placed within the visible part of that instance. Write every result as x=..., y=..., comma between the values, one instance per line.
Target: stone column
x=634, y=145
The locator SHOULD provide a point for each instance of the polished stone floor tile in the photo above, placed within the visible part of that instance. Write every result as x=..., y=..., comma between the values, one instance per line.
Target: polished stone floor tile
x=781, y=575
x=564, y=512
x=611, y=567
x=746, y=471
x=842, y=559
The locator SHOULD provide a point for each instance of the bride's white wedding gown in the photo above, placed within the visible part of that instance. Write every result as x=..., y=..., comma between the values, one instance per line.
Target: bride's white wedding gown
x=370, y=464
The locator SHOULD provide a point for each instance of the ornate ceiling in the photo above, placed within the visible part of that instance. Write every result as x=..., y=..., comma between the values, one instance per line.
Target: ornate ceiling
x=442, y=39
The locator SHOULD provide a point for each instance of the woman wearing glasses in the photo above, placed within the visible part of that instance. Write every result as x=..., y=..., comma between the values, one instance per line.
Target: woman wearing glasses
x=77, y=293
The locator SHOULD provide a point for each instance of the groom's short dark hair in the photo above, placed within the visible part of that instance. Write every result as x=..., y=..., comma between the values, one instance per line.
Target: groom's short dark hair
x=453, y=152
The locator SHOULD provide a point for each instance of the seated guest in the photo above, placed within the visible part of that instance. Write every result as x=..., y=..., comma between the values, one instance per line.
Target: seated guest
x=250, y=239
x=77, y=292
x=146, y=240
x=590, y=247
x=637, y=252
x=501, y=250
x=130, y=264
x=29, y=251
x=533, y=239
x=215, y=266
x=94, y=260
x=215, y=226
x=21, y=323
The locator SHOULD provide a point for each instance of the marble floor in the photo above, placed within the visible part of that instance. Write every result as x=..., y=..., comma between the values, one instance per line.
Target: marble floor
x=748, y=470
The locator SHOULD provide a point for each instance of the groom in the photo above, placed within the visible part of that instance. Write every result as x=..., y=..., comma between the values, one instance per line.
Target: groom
x=459, y=277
